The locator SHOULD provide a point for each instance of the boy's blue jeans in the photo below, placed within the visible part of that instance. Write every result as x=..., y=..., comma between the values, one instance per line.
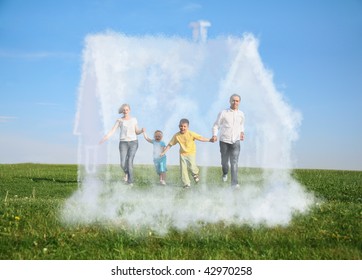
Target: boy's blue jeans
x=160, y=164
x=127, y=151
x=230, y=153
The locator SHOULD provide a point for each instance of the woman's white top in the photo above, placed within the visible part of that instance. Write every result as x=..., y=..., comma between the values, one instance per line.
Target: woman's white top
x=128, y=129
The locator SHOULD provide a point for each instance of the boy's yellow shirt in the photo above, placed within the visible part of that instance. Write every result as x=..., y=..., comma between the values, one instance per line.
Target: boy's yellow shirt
x=186, y=142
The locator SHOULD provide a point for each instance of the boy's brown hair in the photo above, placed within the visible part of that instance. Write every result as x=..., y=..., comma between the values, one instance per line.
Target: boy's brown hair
x=182, y=121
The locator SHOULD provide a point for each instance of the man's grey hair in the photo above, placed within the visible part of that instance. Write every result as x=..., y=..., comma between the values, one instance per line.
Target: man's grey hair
x=235, y=95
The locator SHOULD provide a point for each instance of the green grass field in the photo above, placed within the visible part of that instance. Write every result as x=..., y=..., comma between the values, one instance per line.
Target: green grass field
x=31, y=196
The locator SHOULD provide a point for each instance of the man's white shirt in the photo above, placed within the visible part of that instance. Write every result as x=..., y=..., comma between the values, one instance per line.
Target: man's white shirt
x=229, y=123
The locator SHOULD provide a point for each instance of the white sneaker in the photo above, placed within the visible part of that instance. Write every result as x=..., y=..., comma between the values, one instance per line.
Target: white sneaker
x=224, y=178
x=162, y=182
x=235, y=187
x=186, y=186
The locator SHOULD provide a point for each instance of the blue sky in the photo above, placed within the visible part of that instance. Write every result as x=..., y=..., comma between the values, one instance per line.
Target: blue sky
x=314, y=49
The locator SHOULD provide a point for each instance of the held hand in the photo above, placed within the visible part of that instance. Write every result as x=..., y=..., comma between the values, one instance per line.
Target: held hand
x=214, y=139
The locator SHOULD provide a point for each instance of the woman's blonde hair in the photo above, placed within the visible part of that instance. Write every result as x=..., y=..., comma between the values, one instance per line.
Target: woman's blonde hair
x=120, y=110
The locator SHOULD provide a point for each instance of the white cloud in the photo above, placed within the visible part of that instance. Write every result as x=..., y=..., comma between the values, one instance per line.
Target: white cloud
x=18, y=148
x=36, y=55
x=191, y=7
x=50, y=104
x=5, y=119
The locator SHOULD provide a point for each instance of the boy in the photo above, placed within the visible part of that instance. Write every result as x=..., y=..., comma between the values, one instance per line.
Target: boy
x=158, y=148
x=186, y=139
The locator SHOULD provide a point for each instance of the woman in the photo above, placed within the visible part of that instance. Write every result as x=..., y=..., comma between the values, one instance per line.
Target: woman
x=128, y=143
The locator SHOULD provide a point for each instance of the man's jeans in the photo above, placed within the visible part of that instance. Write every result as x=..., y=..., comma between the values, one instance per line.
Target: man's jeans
x=230, y=153
x=127, y=151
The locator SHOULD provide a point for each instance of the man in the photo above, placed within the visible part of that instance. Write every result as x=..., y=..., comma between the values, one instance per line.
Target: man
x=230, y=124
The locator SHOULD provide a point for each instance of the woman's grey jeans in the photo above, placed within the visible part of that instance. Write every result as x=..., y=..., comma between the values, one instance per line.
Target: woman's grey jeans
x=127, y=151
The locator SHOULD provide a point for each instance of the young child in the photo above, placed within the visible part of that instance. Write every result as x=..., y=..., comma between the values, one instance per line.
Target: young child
x=158, y=160
x=186, y=139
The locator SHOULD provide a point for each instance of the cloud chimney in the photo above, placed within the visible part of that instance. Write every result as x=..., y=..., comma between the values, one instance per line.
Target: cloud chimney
x=199, y=30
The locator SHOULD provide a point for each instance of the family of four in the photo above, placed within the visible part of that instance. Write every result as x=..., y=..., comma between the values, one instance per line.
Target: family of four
x=229, y=125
